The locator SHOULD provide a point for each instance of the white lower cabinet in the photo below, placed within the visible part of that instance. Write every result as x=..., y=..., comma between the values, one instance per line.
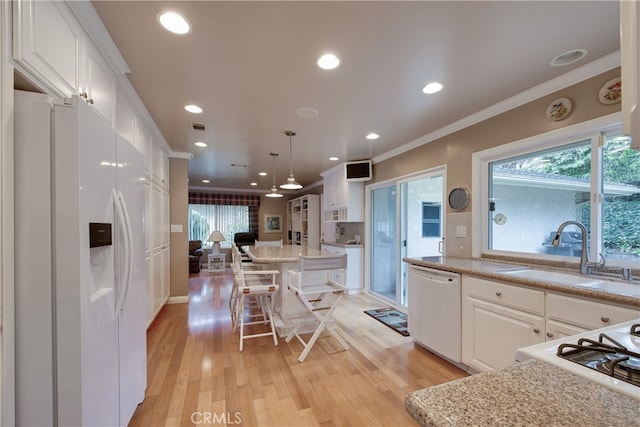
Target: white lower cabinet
x=571, y=315
x=497, y=319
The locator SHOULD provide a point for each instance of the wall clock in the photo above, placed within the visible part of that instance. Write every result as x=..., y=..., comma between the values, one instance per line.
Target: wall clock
x=459, y=198
x=500, y=218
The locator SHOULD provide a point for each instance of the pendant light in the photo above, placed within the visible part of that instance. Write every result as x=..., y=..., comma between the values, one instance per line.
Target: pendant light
x=274, y=189
x=291, y=183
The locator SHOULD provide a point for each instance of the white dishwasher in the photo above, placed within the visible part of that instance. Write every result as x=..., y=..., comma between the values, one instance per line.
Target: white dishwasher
x=434, y=318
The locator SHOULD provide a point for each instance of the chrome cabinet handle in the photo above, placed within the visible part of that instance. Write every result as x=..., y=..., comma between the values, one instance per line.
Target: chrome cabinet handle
x=83, y=95
x=536, y=330
x=550, y=335
x=604, y=319
x=498, y=294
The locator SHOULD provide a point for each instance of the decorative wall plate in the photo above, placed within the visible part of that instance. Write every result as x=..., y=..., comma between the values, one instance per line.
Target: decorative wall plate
x=559, y=109
x=611, y=92
x=459, y=198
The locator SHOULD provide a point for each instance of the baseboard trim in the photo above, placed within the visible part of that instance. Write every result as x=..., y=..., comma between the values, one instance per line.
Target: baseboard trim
x=178, y=300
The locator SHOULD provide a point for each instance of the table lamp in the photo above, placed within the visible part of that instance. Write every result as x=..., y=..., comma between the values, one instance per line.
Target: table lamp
x=216, y=237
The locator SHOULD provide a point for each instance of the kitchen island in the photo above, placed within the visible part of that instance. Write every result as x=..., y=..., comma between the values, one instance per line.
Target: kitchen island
x=525, y=394
x=287, y=308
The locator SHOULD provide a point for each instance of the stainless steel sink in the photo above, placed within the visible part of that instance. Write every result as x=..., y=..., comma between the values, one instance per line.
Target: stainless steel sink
x=550, y=276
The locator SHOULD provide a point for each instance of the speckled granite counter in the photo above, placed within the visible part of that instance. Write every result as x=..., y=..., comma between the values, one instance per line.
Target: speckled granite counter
x=343, y=245
x=607, y=290
x=531, y=393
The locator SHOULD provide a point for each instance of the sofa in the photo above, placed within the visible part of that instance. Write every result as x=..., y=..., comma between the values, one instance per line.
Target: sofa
x=195, y=252
x=244, y=238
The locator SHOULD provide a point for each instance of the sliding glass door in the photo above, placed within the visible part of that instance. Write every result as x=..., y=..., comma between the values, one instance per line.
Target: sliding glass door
x=406, y=220
x=383, y=242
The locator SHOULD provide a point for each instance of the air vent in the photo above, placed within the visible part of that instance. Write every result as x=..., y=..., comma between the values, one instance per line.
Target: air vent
x=238, y=165
x=199, y=126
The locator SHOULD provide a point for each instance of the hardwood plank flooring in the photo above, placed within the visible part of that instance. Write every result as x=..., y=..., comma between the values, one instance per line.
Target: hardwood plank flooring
x=198, y=376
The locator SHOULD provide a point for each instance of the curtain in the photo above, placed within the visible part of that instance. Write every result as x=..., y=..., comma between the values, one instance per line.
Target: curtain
x=252, y=201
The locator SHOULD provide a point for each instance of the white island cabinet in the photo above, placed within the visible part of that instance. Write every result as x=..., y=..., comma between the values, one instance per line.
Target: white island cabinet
x=355, y=265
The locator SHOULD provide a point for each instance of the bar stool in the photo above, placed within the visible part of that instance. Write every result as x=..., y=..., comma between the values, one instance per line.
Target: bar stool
x=314, y=285
x=252, y=298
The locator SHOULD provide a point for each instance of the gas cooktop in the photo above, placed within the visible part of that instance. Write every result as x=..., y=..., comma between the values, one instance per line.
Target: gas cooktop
x=609, y=356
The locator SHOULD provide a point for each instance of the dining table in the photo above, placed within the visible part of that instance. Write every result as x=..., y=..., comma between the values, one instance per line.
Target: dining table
x=288, y=310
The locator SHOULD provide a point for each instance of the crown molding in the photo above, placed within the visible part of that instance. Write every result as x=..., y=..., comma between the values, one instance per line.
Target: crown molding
x=180, y=155
x=570, y=78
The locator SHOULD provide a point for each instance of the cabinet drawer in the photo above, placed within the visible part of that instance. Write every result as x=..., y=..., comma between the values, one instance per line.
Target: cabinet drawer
x=509, y=295
x=587, y=314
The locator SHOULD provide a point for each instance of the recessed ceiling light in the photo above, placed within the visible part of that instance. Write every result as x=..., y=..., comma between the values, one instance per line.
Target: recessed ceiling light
x=569, y=57
x=372, y=136
x=432, y=87
x=174, y=22
x=328, y=61
x=193, y=109
x=254, y=184
x=201, y=144
x=262, y=173
x=333, y=159
x=206, y=181
x=306, y=112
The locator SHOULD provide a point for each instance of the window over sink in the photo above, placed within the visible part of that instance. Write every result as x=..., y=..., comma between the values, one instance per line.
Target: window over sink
x=586, y=173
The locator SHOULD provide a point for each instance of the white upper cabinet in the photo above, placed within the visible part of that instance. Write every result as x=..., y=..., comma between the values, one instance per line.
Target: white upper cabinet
x=98, y=83
x=160, y=166
x=343, y=200
x=46, y=43
x=143, y=143
x=630, y=48
x=125, y=122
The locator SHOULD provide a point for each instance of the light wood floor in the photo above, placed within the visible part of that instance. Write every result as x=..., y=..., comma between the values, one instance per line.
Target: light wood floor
x=197, y=376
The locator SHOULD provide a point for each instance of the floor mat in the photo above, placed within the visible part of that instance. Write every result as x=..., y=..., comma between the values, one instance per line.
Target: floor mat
x=392, y=318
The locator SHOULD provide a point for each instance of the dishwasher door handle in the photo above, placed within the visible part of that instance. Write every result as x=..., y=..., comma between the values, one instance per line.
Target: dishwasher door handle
x=436, y=277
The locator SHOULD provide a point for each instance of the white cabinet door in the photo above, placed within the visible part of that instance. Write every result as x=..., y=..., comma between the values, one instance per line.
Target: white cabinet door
x=46, y=43
x=555, y=329
x=491, y=334
x=98, y=83
x=160, y=167
x=144, y=144
x=125, y=121
x=166, y=277
x=157, y=213
x=164, y=225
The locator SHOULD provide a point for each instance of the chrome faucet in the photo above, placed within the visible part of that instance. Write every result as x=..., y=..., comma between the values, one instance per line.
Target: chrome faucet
x=585, y=264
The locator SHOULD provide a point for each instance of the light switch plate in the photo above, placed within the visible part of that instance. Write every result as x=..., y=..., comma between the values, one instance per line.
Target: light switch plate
x=176, y=228
x=461, y=231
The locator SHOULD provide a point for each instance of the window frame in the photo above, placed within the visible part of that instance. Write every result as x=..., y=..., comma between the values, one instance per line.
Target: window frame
x=437, y=221
x=594, y=130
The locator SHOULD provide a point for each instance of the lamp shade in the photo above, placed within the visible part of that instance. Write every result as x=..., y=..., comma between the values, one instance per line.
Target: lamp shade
x=216, y=237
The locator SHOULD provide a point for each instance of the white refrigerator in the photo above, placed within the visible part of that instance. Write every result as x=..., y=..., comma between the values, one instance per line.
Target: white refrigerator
x=81, y=287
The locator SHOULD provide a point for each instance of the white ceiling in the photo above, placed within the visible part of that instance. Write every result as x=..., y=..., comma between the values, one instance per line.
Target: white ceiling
x=249, y=65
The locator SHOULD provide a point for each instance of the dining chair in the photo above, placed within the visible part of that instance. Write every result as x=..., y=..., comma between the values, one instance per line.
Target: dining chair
x=251, y=301
x=314, y=285
x=273, y=243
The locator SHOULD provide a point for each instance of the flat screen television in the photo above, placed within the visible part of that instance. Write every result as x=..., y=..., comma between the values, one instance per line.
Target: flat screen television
x=358, y=171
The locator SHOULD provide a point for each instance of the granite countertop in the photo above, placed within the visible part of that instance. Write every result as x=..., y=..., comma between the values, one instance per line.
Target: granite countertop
x=605, y=289
x=274, y=254
x=343, y=245
x=525, y=394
